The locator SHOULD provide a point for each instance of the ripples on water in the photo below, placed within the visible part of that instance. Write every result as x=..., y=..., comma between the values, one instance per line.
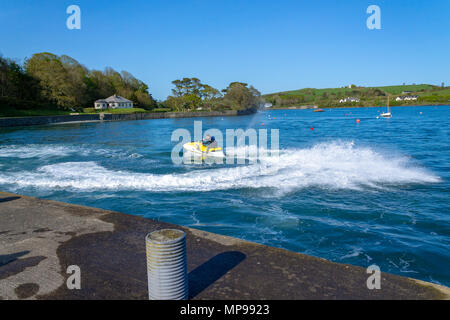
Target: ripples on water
x=373, y=192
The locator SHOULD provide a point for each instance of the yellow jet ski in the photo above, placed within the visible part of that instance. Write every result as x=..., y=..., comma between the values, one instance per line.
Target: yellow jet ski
x=200, y=149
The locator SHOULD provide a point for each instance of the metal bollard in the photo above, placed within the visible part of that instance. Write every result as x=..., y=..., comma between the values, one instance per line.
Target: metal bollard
x=166, y=265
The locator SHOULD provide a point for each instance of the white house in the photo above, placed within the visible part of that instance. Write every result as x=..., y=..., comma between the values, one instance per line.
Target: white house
x=113, y=102
x=349, y=99
x=407, y=98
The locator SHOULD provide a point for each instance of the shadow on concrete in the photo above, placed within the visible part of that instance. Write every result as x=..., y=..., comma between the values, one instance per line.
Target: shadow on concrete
x=209, y=272
x=8, y=199
x=7, y=258
x=17, y=266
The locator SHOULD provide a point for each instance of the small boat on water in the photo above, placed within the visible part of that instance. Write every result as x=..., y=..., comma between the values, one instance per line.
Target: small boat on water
x=387, y=114
x=319, y=110
x=200, y=149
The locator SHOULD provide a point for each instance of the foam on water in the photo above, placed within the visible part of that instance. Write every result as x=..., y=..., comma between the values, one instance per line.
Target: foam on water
x=338, y=165
x=36, y=151
x=43, y=151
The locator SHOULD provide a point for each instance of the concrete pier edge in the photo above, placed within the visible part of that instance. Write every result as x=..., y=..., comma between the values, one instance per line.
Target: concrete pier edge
x=40, y=239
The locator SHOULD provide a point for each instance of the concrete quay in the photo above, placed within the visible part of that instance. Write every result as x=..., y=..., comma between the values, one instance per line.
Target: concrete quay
x=40, y=239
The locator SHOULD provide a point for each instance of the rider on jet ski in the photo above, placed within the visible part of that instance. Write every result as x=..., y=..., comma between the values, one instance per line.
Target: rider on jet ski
x=210, y=142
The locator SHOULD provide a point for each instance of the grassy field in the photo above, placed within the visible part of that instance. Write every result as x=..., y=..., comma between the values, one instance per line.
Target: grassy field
x=397, y=90
x=369, y=96
x=388, y=89
x=441, y=92
x=11, y=112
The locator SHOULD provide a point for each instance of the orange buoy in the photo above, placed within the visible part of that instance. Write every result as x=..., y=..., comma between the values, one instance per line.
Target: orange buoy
x=312, y=128
x=357, y=120
x=262, y=123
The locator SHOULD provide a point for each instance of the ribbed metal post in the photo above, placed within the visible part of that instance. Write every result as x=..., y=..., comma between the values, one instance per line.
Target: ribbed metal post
x=166, y=265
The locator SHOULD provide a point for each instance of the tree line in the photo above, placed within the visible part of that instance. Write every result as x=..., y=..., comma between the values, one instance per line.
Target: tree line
x=62, y=82
x=191, y=94
x=368, y=97
x=48, y=81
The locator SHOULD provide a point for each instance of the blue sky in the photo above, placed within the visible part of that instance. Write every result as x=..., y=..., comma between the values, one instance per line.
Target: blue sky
x=273, y=45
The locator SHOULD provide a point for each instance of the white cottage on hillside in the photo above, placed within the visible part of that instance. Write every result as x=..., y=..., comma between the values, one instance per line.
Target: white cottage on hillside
x=411, y=98
x=113, y=102
x=349, y=99
x=407, y=98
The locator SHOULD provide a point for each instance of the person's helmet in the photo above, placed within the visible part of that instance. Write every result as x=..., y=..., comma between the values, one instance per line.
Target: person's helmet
x=213, y=139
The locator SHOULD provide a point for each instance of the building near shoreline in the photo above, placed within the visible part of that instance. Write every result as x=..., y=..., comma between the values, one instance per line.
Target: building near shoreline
x=349, y=99
x=113, y=102
x=407, y=98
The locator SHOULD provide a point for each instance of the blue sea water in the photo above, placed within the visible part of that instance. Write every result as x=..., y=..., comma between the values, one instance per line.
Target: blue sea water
x=373, y=192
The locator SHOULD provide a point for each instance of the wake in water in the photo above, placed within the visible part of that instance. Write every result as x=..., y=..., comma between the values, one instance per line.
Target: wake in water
x=327, y=165
x=43, y=151
x=37, y=151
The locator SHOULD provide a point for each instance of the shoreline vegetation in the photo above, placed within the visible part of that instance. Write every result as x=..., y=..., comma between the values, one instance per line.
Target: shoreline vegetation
x=356, y=96
x=100, y=117
x=350, y=106
x=47, y=84
x=51, y=85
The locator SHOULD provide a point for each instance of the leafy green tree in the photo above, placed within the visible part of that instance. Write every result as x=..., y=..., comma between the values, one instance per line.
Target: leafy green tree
x=187, y=86
x=241, y=95
x=16, y=84
x=56, y=82
x=72, y=86
x=174, y=103
x=209, y=93
x=191, y=93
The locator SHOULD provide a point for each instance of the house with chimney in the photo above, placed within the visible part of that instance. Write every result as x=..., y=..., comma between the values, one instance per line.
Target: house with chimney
x=113, y=102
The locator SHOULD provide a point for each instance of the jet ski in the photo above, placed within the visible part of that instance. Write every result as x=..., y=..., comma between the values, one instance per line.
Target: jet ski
x=198, y=148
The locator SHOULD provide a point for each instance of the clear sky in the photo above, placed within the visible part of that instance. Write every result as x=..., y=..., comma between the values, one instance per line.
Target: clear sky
x=273, y=45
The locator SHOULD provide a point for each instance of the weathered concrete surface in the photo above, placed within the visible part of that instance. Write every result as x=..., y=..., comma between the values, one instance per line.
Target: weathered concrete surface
x=42, y=120
x=39, y=239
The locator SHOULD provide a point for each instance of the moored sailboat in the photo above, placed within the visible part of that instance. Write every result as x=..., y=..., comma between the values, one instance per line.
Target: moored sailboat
x=387, y=114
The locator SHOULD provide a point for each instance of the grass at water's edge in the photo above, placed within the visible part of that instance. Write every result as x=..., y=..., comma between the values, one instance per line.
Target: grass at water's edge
x=14, y=113
x=10, y=113
x=114, y=111
x=6, y=112
x=17, y=113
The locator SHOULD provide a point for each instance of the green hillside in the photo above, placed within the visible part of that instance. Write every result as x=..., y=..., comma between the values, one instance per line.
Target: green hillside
x=368, y=96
